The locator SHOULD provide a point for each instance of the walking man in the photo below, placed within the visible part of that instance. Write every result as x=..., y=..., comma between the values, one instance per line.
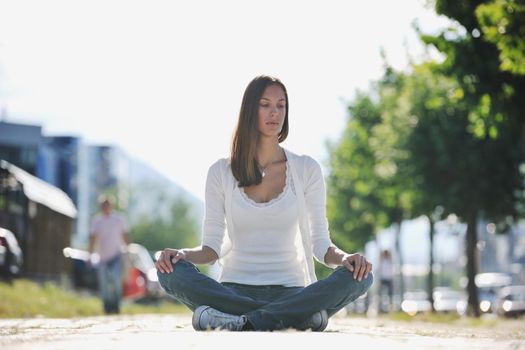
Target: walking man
x=109, y=238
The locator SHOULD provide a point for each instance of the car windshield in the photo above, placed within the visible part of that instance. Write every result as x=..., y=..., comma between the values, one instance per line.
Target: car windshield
x=516, y=297
x=141, y=258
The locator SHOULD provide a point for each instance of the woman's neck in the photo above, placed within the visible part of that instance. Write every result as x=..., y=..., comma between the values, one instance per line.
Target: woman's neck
x=269, y=151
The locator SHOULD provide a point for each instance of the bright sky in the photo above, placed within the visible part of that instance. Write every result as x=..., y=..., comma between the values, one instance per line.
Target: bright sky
x=163, y=80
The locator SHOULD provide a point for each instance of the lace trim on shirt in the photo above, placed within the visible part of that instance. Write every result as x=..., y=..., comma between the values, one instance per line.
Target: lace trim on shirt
x=287, y=185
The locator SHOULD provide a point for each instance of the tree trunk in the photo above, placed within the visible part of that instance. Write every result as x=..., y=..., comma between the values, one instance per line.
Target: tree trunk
x=472, y=265
x=400, y=260
x=523, y=137
x=430, y=279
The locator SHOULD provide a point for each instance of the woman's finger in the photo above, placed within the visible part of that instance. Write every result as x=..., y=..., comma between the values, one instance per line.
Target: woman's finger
x=362, y=270
x=167, y=261
x=162, y=262
x=368, y=269
x=357, y=264
x=157, y=263
x=358, y=267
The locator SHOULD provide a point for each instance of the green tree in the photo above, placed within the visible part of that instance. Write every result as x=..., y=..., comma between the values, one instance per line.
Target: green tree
x=503, y=24
x=412, y=153
x=489, y=76
x=351, y=186
x=493, y=105
x=367, y=188
x=396, y=190
x=470, y=176
x=399, y=119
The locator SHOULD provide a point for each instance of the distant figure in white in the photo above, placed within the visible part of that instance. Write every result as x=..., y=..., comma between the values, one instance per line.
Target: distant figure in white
x=386, y=275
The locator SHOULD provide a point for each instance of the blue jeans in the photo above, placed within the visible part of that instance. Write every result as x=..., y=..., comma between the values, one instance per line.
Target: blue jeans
x=266, y=307
x=110, y=284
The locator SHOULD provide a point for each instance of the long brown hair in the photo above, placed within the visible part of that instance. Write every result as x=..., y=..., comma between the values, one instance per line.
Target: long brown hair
x=244, y=143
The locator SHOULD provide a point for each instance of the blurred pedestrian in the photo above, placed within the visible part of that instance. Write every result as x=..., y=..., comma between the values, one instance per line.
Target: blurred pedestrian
x=109, y=238
x=273, y=204
x=386, y=277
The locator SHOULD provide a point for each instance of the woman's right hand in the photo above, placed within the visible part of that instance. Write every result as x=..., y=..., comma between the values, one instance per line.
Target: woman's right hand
x=167, y=257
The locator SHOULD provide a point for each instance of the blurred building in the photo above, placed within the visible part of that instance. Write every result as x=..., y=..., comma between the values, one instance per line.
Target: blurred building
x=20, y=144
x=58, y=163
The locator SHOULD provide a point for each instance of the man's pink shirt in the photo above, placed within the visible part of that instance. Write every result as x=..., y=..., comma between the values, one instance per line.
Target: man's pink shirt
x=109, y=231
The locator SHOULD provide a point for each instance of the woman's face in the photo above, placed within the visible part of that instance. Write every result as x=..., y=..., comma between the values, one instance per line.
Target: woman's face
x=272, y=111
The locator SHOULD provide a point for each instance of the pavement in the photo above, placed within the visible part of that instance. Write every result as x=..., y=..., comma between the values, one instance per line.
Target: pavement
x=175, y=332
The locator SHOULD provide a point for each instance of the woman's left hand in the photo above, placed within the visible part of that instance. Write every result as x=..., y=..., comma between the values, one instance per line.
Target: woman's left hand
x=357, y=264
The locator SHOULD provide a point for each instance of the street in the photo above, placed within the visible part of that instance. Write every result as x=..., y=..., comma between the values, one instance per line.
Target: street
x=175, y=332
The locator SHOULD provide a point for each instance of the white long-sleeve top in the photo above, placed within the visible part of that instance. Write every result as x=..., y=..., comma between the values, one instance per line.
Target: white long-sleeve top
x=311, y=205
x=265, y=240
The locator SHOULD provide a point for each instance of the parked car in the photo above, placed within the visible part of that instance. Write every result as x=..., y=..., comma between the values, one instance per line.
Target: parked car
x=83, y=268
x=415, y=302
x=448, y=300
x=139, y=281
x=489, y=284
x=11, y=258
x=510, y=301
x=142, y=267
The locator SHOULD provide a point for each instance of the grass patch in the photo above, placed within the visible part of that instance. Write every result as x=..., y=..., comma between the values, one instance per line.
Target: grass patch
x=486, y=321
x=161, y=308
x=425, y=317
x=24, y=299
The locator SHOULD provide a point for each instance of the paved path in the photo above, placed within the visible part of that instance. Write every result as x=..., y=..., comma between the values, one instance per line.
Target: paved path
x=175, y=332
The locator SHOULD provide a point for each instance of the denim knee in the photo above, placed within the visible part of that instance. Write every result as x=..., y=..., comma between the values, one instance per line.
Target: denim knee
x=171, y=280
x=352, y=283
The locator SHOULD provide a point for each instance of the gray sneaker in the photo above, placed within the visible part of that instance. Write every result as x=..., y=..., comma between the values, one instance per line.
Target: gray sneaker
x=205, y=317
x=317, y=322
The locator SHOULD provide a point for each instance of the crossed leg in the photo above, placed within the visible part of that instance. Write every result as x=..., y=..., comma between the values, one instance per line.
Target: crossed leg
x=192, y=288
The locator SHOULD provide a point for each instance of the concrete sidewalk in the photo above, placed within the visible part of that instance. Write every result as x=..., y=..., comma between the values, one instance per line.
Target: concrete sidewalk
x=175, y=332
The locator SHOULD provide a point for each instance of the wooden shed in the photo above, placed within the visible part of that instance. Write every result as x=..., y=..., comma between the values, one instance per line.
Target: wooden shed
x=42, y=218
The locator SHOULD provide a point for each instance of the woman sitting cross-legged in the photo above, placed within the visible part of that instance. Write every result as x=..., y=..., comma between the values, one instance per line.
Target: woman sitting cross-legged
x=265, y=220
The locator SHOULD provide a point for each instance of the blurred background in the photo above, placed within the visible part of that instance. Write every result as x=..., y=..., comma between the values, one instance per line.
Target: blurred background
x=415, y=110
